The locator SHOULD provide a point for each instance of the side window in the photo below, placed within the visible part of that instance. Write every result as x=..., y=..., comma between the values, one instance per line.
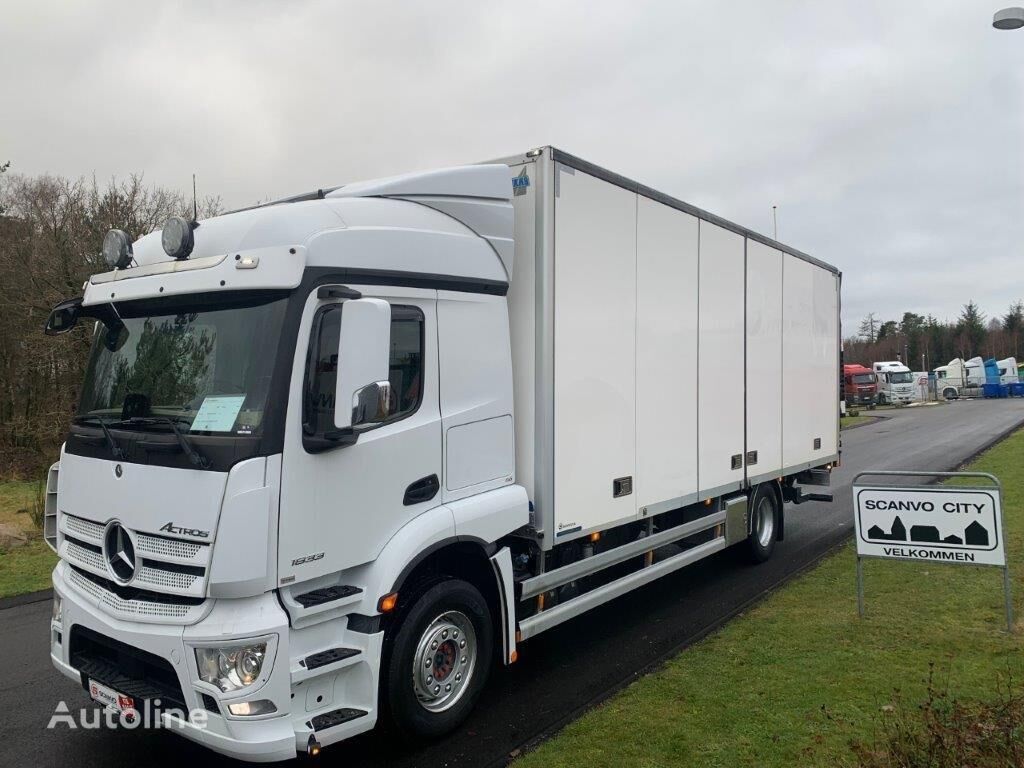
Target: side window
x=405, y=367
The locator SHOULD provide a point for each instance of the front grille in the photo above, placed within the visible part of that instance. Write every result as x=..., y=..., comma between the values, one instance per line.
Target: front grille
x=137, y=673
x=163, y=564
x=131, y=601
x=84, y=529
x=158, y=546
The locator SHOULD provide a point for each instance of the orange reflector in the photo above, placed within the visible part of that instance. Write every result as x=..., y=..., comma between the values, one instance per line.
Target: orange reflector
x=595, y=536
x=513, y=657
x=707, y=502
x=387, y=603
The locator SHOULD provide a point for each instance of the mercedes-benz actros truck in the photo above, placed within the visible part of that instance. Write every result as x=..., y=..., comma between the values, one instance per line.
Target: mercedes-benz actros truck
x=337, y=455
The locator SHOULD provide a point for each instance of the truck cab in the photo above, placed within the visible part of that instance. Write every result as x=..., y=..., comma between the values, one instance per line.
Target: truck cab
x=860, y=385
x=895, y=383
x=960, y=378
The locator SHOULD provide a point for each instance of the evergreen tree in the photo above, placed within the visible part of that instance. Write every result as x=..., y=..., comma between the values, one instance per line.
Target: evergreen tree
x=971, y=329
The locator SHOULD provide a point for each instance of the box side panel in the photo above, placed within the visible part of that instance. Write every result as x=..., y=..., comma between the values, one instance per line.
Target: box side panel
x=666, y=385
x=595, y=354
x=826, y=359
x=720, y=360
x=799, y=428
x=523, y=325
x=764, y=360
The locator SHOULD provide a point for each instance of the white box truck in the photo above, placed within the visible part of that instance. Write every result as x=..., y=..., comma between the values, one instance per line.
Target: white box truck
x=336, y=454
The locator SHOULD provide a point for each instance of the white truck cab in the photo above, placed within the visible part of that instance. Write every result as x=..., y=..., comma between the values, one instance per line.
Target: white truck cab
x=325, y=468
x=895, y=383
x=960, y=378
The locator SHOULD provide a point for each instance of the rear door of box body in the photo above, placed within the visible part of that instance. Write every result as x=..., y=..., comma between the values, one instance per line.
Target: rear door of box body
x=595, y=353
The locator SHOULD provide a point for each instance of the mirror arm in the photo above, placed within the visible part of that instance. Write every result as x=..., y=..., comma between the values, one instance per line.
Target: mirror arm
x=329, y=440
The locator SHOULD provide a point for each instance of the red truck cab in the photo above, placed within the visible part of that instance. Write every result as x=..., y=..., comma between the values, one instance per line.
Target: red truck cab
x=860, y=385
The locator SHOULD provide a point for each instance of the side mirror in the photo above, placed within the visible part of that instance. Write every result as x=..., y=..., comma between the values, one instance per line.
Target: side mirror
x=63, y=317
x=364, y=347
x=372, y=403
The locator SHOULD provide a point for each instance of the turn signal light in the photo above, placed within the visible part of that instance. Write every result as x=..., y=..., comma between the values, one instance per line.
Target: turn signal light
x=595, y=536
x=387, y=603
x=513, y=657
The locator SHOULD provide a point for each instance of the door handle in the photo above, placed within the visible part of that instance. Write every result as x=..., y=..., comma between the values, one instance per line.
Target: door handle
x=422, y=490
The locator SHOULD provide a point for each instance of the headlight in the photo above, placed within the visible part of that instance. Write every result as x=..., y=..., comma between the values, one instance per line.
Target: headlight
x=57, y=612
x=232, y=667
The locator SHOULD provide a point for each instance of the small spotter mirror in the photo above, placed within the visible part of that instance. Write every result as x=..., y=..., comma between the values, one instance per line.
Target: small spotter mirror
x=63, y=317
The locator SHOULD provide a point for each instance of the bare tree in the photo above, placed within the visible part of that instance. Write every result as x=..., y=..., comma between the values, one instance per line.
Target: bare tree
x=51, y=230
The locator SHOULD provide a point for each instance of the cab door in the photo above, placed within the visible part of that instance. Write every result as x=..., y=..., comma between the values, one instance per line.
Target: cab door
x=339, y=507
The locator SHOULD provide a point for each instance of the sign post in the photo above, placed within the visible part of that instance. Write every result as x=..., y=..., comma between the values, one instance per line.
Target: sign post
x=935, y=523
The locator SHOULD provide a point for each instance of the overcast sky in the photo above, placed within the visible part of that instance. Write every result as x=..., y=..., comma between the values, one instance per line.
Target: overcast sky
x=889, y=134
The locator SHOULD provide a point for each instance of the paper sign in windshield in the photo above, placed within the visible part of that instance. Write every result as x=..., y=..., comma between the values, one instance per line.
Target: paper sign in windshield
x=217, y=413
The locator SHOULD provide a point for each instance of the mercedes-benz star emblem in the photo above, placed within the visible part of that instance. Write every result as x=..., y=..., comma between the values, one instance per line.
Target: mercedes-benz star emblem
x=119, y=552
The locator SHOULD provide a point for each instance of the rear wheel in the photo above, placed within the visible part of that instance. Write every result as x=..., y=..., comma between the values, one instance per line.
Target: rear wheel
x=439, y=659
x=764, y=524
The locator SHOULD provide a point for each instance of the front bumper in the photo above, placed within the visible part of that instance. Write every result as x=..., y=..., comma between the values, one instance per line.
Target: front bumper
x=262, y=739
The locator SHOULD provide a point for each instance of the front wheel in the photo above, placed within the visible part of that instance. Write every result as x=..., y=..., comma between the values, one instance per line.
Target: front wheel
x=764, y=524
x=439, y=659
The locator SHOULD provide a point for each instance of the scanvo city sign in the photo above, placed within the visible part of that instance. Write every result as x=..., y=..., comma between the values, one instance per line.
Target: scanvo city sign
x=944, y=524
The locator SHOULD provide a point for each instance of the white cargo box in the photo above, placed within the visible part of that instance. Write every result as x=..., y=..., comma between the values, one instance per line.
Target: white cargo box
x=660, y=355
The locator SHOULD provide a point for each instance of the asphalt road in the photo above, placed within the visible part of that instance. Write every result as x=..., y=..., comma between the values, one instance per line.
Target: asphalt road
x=561, y=673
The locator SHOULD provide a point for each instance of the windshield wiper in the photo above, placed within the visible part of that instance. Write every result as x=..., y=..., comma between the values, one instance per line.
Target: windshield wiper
x=115, y=449
x=194, y=456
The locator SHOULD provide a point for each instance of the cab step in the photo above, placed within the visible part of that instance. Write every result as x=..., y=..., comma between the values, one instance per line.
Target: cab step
x=335, y=718
x=326, y=595
x=330, y=656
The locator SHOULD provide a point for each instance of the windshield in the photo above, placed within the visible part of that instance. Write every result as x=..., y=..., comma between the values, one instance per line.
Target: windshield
x=206, y=364
x=863, y=378
x=904, y=377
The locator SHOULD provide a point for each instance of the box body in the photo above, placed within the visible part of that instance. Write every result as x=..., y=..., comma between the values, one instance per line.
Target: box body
x=661, y=355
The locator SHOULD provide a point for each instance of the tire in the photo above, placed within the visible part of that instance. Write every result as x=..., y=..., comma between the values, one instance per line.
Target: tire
x=764, y=524
x=950, y=394
x=881, y=399
x=448, y=627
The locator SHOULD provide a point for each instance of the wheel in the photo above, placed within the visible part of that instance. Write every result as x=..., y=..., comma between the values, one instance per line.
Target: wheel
x=764, y=524
x=950, y=393
x=881, y=399
x=438, y=660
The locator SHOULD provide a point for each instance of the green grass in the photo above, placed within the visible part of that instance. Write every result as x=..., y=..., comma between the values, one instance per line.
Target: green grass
x=26, y=569
x=846, y=422
x=23, y=569
x=800, y=676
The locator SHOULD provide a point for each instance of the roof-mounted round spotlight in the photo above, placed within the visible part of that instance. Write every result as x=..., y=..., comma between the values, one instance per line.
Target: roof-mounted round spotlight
x=177, y=237
x=117, y=249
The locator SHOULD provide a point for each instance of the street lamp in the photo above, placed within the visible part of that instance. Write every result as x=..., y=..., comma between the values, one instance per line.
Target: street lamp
x=1008, y=18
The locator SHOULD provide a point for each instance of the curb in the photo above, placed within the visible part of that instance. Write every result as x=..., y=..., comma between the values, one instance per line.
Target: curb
x=29, y=597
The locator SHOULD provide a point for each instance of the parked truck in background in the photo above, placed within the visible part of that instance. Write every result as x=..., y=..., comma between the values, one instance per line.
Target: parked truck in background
x=336, y=454
x=1008, y=372
x=895, y=383
x=960, y=378
x=860, y=385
